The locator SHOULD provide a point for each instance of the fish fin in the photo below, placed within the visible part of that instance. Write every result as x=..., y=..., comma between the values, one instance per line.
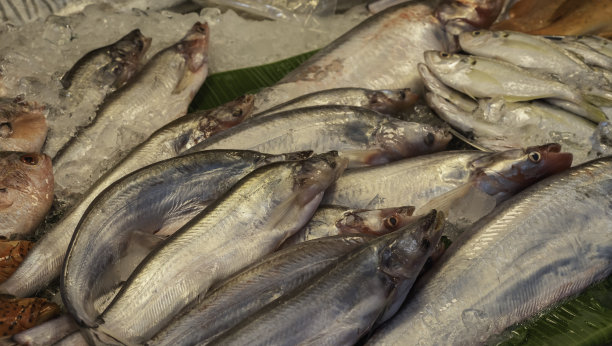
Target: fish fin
x=184, y=83
x=146, y=240
x=375, y=202
x=363, y=158
x=594, y=113
x=464, y=139
x=445, y=201
x=599, y=99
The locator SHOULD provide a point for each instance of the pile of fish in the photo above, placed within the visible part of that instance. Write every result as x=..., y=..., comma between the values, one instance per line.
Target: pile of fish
x=312, y=212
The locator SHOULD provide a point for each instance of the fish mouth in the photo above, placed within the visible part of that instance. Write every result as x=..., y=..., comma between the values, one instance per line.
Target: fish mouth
x=195, y=46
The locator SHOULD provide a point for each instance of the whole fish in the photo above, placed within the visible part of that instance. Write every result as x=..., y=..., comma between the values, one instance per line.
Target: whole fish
x=26, y=192
x=384, y=101
x=243, y=294
x=363, y=136
x=96, y=75
x=23, y=125
x=334, y=220
x=12, y=254
x=158, y=199
x=341, y=304
x=546, y=243
x=498, y=174
x=45, y=262
x=275, y=201
x=160, y=93
x=483, y=77
x=403, y=32
x=47, y=333
x=535, y=53
x=20, y=314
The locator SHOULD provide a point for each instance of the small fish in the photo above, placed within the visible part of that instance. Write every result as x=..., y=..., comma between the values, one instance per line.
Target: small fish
x=363, y=136
x=335, y=220
x=23, y=125
x=12, y=254
x=17, y=315
x=340, y=305
x=47, y=333
x=96, y=75
x=591, y=54
x=26, y=192
x=384, y=101
x=483, y=77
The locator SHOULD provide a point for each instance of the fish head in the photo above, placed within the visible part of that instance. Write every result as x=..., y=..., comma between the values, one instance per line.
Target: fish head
x=316, y=173
x=126, y=55
x=391, y=101
x=225, y=116
x=399, y=139
x=503, y=174
x=194, y=49
x=405, y=253
x=464, y=15
x=25, y=173
x=23, y=125
x=443, y=63
x=377, y=222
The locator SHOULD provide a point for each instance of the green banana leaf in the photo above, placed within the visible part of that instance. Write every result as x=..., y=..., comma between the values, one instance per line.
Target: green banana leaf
x=583, y=320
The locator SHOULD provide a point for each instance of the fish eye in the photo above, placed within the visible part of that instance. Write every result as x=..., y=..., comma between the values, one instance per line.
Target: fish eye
x=425, y=244
x=429, y=138
x=534, y=156
x=391, y=222
x=237, y=113
x=402, y=95
x=505, y=34
x=444, y=55
x=29, y=160
x=117, y=69
x=476, y=33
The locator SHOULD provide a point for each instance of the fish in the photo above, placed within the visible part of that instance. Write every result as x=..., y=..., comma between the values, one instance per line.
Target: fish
x=47, y=333
x=466, y=15
x=384, y=101
x=160, y=93
x=156, y=200
x=17, y=315
x=341, y=304
x=348, y=61
x=26, y=192
x=175, y=138
x=480, y=77
x=547, y=243
x=335, y=220
x=12, y=254
x=363, y=136
x=247, y=292
x=538, y=54
x=93, y=77
x=276, y=201
x=593, y=55
x=497, y=174
x=23, y=125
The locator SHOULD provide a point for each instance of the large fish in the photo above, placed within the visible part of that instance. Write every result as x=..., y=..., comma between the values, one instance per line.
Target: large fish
x=498, y=174
x=380, y=53
x=23, y=126
x=26, y=192
x=275, y=201
x=247, y=292
x=45, y=261
x=158, y=199
x=546, y=243
x=484, y=77
x=160, y=93
x=341, y=304
x=363, y=136
x=93, y=77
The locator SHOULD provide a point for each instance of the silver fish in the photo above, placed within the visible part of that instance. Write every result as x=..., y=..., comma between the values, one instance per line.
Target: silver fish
x=498, y=174
x=384, y=101
x=341, y=304
x=158, y=199
x=363, y=136
x=45, y=261
x=275, y=201
x=96, y=75
x=160, y=93
x=484, y=77
x=403, y=32
x=23, y=125
x=245, y=293
x=334, y=220
x=546, y=243
x=592, y=53
x=26, y=192
x=47, y=333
